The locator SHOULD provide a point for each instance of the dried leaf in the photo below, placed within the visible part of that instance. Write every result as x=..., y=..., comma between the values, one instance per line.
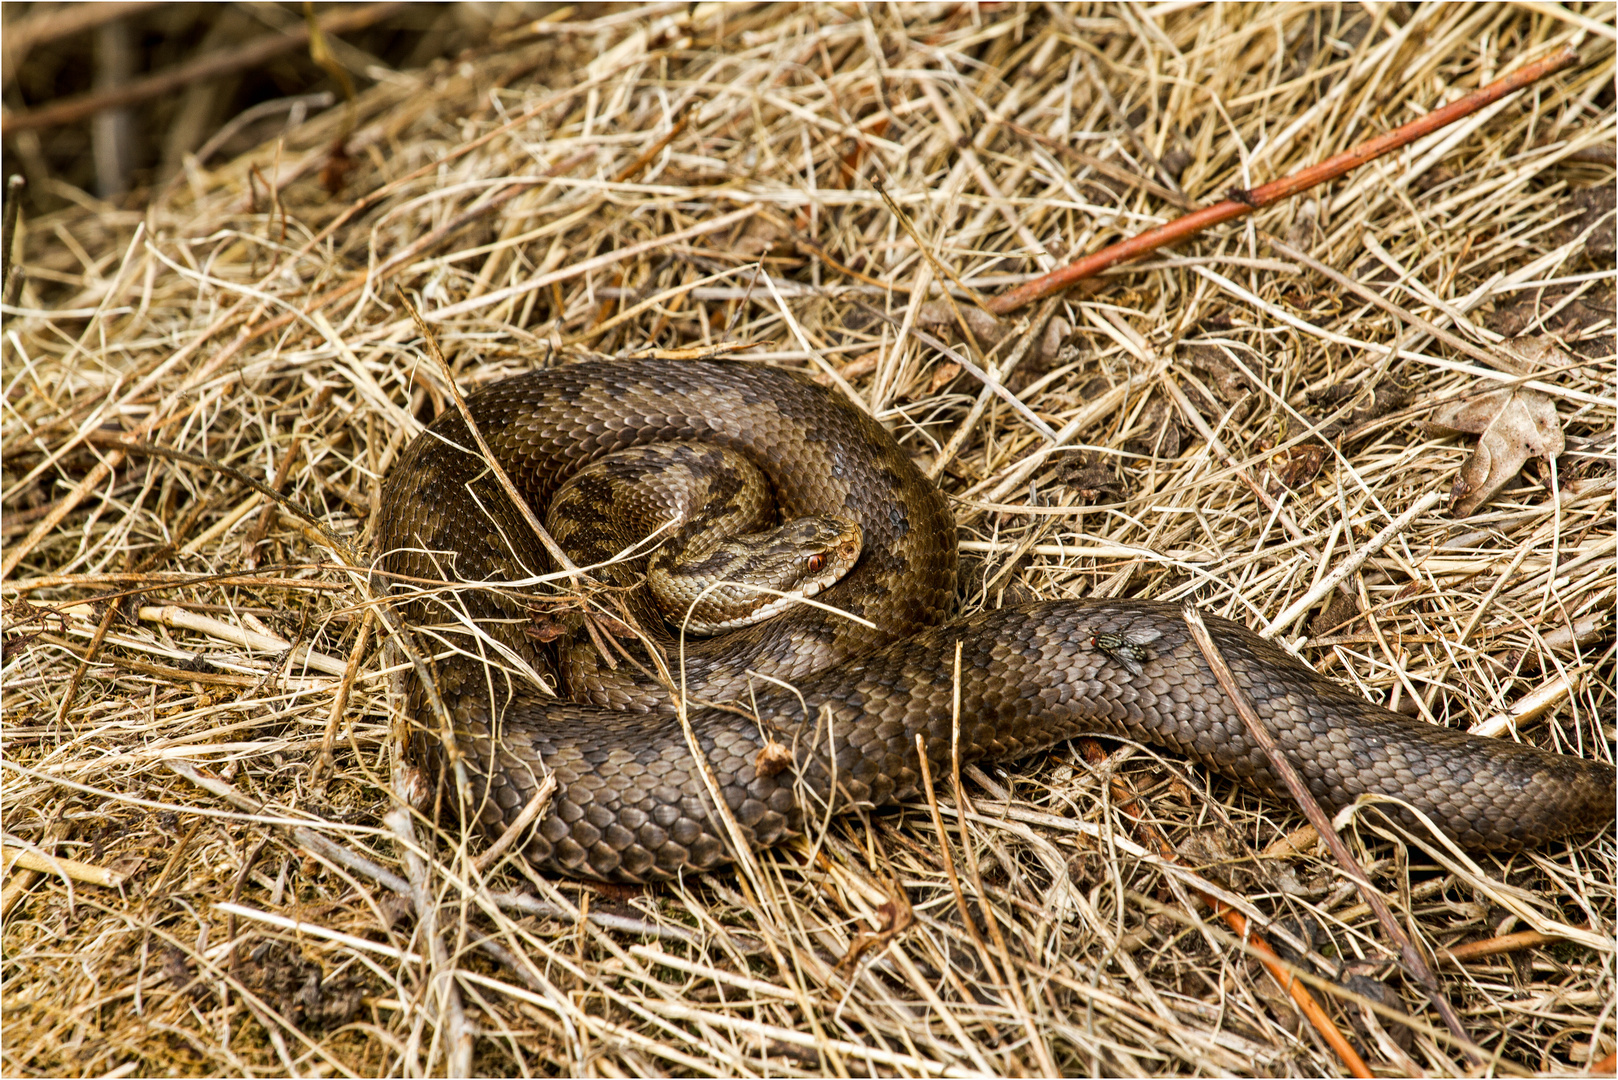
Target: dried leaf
x=988, y=330
x=1223, y=380
x=1294, y=468
x=772, y=759
x=1383, y=397
x=859, y=367
x=943, y=375
x=1163, y=435
x=1340, y=611
x=1093, y=478
x=1512, y=426
x=766, y=236
x=894, y=916
x=1535, y=352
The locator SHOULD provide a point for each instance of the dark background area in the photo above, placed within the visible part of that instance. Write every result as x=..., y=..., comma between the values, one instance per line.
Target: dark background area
x=55, y=53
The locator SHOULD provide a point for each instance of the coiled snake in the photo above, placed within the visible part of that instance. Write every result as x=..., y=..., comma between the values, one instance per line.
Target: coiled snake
x=839, y=703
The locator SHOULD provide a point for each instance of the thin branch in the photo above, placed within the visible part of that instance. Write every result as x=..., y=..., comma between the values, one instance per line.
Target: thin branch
x=1414, y=962
x=211, y=66
x=1245, y=202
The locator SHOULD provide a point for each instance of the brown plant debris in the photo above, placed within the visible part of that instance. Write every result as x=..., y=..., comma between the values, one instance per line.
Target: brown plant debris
x=1220, y=421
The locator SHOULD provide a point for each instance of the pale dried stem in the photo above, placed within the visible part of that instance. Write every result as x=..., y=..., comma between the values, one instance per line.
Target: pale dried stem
x=529, y=209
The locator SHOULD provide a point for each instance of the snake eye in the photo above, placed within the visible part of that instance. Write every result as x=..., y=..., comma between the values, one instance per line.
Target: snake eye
x=816, y=563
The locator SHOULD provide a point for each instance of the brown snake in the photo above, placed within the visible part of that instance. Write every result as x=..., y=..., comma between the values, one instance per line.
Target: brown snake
x=631, y=802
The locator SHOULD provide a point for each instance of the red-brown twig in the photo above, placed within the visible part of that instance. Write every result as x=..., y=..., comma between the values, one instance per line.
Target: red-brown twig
x=1498, y=946
x=1245, y=202
x=1414, y=963
x=1129, y=805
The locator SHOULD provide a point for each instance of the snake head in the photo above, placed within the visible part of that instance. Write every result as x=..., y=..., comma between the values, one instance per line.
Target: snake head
x=826, y=548
x=746, y=579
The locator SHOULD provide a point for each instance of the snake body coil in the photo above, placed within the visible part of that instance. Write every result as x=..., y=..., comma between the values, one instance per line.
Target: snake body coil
x=631, y=802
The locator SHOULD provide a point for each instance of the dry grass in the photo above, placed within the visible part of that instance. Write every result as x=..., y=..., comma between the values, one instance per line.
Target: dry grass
x=513, y=196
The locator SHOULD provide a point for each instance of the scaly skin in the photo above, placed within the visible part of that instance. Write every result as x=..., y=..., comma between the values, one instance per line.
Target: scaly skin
x=631, y=805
